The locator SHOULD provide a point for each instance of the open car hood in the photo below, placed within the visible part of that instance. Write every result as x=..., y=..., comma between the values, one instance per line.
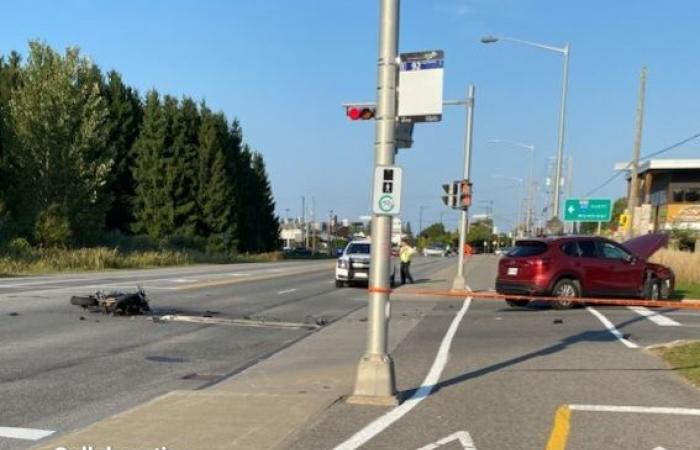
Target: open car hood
x=646, y=245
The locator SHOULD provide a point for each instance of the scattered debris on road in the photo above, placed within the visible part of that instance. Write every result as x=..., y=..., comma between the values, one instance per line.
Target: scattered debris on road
x=116, y=303
x=14, y=314
x=558, y=321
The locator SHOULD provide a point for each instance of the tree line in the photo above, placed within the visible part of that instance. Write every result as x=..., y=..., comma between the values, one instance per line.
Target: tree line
x=83, y=156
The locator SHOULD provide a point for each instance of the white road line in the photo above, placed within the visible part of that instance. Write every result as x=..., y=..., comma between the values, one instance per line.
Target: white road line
x=609, y=325
x=27, y=434
x=380, y=424
x=463, y=437
x=654, y=316
x=638, y=409
x=287, y=291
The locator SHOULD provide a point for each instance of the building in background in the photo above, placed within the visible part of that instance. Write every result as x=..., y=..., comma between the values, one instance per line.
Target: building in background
x=669, y=195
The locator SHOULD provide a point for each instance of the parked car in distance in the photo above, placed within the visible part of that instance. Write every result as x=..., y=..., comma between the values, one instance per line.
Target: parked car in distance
x=353, y=264
x=588, y=266
x=433, y=250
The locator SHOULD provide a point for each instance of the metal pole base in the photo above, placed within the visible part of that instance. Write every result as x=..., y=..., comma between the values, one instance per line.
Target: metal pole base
x=458, y=284
x=375, y=384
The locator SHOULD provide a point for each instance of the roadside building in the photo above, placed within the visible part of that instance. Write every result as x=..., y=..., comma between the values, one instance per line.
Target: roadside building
x=669, y=195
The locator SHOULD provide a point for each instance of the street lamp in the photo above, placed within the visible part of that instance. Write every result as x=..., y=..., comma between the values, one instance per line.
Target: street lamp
x=530, y=188
x=420, y=219
x=562, y=111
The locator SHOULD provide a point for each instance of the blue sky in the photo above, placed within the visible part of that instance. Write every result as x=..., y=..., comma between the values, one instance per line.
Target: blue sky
x=284, y=67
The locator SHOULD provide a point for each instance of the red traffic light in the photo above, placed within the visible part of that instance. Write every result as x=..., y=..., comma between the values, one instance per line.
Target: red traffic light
x=360, y=113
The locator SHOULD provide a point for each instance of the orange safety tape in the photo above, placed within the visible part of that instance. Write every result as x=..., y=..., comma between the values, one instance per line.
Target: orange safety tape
x=489, y=295
x=379, y=290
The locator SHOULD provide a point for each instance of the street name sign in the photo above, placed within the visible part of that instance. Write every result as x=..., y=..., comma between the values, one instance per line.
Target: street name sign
x=386, y=198
x=588, y=210
x=420, y=88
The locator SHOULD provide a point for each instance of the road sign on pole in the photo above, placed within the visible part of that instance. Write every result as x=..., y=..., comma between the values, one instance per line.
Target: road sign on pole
x=420, y=86
x=387, y=190
x=588, y=210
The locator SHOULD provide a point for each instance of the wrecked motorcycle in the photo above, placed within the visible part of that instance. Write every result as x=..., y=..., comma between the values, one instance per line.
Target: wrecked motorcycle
x=115, y=303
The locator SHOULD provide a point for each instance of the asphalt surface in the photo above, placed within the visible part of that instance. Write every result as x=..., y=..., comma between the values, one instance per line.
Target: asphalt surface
x=62, y=368
x=510, y=369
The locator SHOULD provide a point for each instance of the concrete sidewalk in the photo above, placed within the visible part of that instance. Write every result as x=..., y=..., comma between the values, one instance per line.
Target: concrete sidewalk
x=263, y=407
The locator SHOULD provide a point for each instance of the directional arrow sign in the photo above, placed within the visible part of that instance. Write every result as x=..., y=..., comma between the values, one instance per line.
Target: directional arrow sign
x=588, y=210
x=462, y=437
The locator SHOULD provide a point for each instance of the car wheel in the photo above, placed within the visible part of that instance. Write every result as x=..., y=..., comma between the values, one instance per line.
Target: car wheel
x=517, y=303
x=652, y=290
x=568, y=289
x=339, y=283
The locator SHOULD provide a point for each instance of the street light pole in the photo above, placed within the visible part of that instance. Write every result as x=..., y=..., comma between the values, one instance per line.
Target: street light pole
x=375, y=383
x=566, y=50
x=459, y=282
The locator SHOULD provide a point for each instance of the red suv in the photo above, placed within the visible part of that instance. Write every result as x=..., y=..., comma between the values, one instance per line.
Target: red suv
x=588, y=266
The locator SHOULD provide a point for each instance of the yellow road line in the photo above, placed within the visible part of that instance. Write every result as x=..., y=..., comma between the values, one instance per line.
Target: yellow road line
x=560, y=430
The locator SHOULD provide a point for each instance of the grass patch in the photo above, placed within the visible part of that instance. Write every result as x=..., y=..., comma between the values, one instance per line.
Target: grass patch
x=687, y=290
x=31, y=261
x=685, y=359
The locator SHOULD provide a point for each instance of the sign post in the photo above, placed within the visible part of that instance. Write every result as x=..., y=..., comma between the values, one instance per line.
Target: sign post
x=588, y=210
x=420, y=86
x=386, y=198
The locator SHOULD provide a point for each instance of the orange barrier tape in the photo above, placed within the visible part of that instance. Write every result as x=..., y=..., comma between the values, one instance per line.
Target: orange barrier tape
x=379, y=290
x=490, y=295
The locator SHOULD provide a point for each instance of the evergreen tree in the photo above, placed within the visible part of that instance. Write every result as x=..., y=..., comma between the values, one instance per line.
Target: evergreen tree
x=246, y=201
x=184, y=168
x=153, y=206
x=123, y=127
x=58, y=161
x=215, y=197
x=267, y=223
x=10, y=77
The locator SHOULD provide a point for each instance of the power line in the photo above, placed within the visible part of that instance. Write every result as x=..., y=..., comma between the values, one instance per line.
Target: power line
x=645, y=157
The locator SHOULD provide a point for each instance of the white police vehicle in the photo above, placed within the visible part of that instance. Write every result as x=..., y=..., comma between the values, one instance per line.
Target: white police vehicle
x=353, y=264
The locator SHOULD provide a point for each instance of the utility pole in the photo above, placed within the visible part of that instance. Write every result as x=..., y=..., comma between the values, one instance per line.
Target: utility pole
x=634, y=179
x=375, y=383
x=459, y=283
x=331, y=242
x=313, y=225
x=304, y=228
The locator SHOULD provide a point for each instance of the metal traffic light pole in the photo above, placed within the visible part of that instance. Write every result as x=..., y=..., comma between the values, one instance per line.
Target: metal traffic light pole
x=458, y=283
x=375, y=382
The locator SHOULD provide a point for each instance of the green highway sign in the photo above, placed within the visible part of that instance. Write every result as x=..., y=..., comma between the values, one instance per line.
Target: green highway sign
x=588, y=210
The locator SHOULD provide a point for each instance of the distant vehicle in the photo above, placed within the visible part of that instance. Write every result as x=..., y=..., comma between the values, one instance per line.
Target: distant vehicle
x=576, y=266
x=503, y=251
x=433, y=250
x=353, y=265
x=299, y=251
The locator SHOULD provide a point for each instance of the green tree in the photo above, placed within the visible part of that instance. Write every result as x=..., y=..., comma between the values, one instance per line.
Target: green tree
x=267, y=223
x=185, y=167
x=123, y=127
x=153, y=206
x=479, y=231
x=10, y=78
x=215, y=195
x=58, y=159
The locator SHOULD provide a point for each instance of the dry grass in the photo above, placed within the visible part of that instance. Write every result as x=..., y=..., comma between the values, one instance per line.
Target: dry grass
x=685, y=265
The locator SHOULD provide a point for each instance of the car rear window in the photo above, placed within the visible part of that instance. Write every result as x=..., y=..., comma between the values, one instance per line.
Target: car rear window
x=355, y=249
x=528, y=248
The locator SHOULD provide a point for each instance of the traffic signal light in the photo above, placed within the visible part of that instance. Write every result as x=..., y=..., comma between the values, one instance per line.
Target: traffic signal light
x=465, y=194
x=360, y=112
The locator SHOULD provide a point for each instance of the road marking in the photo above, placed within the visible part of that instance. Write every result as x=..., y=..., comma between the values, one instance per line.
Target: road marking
x=609, y=325
x=654, y=316
x=27, y=434
x=562, y=419
x=182, y=280
x=560, y=430
x=288, y=291
x=380, y=424
x=462, y=436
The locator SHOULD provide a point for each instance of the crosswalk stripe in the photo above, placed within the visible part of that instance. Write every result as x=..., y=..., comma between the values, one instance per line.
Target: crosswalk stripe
x=655, y=317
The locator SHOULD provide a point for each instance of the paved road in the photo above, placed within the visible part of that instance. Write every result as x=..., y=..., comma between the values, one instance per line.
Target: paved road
x=63, y=368
x=510, y=370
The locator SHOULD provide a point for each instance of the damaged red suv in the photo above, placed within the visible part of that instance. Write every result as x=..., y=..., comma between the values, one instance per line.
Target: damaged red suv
x=584, y=266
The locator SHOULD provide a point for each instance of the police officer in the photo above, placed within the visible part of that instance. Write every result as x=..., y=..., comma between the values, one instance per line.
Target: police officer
x=406, y=254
